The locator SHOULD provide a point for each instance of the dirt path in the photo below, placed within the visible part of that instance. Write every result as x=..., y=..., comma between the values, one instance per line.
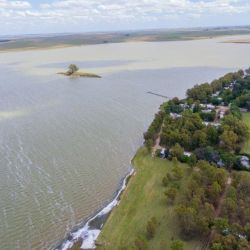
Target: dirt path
x=157, y=145
x=219, y=109
x=218, y=209
x=217, y=212
x=157, y=142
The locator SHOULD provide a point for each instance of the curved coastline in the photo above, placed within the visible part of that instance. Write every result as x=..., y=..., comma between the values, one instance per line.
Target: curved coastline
x=88, y=231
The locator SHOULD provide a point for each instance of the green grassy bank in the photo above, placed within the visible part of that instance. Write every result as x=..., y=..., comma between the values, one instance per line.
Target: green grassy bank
x=144, y=198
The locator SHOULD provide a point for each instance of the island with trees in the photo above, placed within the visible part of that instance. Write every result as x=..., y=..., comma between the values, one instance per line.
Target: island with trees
x=191, y=187
x=74, y=71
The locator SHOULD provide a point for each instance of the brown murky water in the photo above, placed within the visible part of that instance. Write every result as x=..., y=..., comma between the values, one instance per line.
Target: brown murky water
x=66, y=143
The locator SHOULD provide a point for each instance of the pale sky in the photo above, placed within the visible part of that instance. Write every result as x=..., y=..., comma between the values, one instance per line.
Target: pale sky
x=55, y=16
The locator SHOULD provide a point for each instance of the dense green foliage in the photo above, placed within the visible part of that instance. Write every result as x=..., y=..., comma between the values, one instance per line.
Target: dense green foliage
x=207, y=202
x=153, y=130
x=212, y=204
x=214, y=134
x=196, y=208
x=232, y=227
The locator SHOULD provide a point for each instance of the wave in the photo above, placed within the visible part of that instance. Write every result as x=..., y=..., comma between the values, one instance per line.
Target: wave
x=89, y=232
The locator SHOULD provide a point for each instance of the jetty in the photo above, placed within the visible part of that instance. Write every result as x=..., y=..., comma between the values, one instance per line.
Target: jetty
x=153, y=93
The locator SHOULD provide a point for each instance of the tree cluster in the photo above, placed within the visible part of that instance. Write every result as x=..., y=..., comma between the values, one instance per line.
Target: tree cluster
x=232, y=228
x=196, y=207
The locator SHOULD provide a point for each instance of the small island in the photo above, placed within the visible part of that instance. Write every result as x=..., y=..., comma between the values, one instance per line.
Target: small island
x=73, y=71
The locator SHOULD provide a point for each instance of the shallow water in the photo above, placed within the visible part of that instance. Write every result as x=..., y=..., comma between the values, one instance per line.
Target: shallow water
x=66, y=143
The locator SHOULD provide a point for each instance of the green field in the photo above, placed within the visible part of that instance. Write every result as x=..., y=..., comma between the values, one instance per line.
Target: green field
x=144, y=198
x=246, y=119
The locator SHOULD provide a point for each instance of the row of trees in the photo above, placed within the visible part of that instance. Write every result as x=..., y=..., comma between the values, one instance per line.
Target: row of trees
x=210, y=204
x=153, y=130
x=196, y=207
x=203, y=92
x=188, y=132
x=204, y=202
x=232, y=227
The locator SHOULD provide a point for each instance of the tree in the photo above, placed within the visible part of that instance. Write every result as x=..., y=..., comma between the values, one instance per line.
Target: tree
x=171, y=194
x=140, y=243
x=177, y=245
x=229, y=140
x=243, y=244
x=149, y=144
x=192, y=160
x=187, y=219
x=177, y=172
x=177, y=151
x=221, y=224
x=232, y=123
x=165, y=181
x=151, y=228
x=229, y=207
x=200, y=92
x=247, y=230
x=229, y=242
x=199, y=138
x=212, y=135
x=217, y=246
x=214, y=192
x=72, y=69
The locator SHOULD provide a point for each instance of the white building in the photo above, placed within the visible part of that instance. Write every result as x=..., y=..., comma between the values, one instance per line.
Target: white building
x=175, y=115
x=244, y=160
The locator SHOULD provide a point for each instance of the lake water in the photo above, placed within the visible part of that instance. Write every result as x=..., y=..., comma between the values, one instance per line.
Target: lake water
x=65, y=144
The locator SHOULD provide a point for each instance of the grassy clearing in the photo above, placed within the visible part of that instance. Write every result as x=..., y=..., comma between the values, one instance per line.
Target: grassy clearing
x=144, y=198
x=246, y=119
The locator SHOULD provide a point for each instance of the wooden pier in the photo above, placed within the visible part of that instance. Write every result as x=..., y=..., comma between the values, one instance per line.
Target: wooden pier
x=164, y=96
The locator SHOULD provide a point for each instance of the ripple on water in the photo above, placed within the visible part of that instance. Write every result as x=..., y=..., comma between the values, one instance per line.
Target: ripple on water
x=64, y=159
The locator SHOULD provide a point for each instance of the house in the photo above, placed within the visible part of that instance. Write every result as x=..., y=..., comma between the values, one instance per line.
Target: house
x=210, y=106
x=164, y=153
x=221, y=114
x=175, y=115
x=206, y=111
x=244, y=160
x=184, y=105
x=188, y=154
x=243, y=110
x=216, y=94
x=220, y=163
x=215, y=124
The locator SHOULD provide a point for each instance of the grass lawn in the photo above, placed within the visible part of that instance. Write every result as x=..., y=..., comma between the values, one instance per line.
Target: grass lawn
x=144, y=198
x=246, y=119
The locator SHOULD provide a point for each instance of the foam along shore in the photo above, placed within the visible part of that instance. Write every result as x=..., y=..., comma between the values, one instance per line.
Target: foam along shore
x=80, y=74
x=89, y=231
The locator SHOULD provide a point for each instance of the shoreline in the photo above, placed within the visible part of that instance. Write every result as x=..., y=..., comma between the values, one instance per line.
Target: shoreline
x=148, y=38
x=87, y=232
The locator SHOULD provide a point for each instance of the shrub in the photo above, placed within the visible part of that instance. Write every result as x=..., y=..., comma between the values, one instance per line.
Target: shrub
x=140, y=243
x=151, y=228
x=177, y=245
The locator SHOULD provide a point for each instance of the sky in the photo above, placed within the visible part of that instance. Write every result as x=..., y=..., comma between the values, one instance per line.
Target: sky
x=63, y=16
